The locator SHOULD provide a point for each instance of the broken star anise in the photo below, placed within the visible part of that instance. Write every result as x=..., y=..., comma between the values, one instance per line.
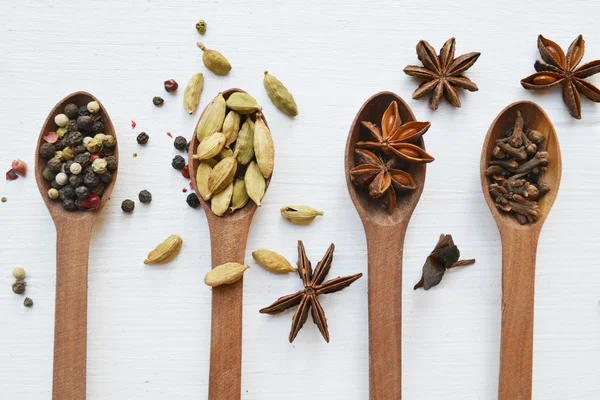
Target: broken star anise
x=307, y=298
x=442, y=73
x=561, y=69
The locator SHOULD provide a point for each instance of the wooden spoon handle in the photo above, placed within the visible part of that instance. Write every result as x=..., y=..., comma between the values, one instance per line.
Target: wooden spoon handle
x=228, y=244
x=385, y=246
x=70, y=320
x=518, y=286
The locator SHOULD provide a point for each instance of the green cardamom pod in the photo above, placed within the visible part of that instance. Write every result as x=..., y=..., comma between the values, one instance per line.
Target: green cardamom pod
x=222, y=175
x=231, y=126
x=220, y=201
x=210, y=147
x=264, y=149
x=214, y=61
x=279, y=95
x=226, y=152
x=225, y=274
x=212, y=118
x=300, y=215
x=244, y=146
x=255, y=183
x=272, y=261
x=193, y=90
x=243, y=103
x=202, y=174
x=165, y=251
x=240, y=196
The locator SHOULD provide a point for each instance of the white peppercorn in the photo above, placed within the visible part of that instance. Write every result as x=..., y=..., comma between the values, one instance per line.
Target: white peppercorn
x=19, y=273
x=62, y=178
x=53, y=193
x=75, y=168
x=86, y=140
x=93, y=107
x=61, y=120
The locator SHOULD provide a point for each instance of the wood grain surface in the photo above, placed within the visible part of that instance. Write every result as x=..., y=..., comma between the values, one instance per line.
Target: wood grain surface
x=149, y=326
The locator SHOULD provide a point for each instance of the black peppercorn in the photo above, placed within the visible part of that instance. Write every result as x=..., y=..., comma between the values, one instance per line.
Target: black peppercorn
x=76, y=180
x=85, y=123
x=69, y=204
x=145, y=196
x=83, y=111
x=127, y=205
x=82, y=159
x=108, y=151
x=67, y=192
x=158, y=101
x=193, y=200
x=67, y=166
x=59, y=145
x=98, y=126
x=180, y=143
x=48, y=175
x=47, y=150
x=55, y=185
x=75, y=138
x=106, y=177
x=54, y=164
x=72, y=125
x=111, y=163
x=71, y=111
x=142, y=138
x=98, y=189
x=82, y=192
x=178, y=163
x=90, y=179
x=79, y=149
x=28, y=302
x=19, y=286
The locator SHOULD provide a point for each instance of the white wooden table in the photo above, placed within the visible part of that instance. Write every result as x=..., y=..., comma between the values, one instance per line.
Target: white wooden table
x=149, y=327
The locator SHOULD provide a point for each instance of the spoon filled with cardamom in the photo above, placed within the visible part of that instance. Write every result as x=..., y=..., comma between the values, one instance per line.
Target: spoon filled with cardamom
x=76, y=165
x=385, y=173
x=520, y=176
x=231, y=160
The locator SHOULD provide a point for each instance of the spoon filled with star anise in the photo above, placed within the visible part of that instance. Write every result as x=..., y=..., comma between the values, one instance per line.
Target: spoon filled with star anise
x=385, y=172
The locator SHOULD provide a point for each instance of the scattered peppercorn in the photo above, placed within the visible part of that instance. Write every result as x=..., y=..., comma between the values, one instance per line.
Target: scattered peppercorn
x=11, y=175
x=142, y=138
x=28, y=302
x=171, y=85
x=19, y=273
x=145, y=196
x=4, y=199
x=201, y=27
x=19, y=286
x=134, y=155
x=157, y=101
x=180, y=143
x=178, y=163
x=127, y=205
x=193, y=200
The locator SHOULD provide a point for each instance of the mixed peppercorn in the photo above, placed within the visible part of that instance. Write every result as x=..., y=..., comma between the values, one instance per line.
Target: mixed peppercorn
x=80, y=157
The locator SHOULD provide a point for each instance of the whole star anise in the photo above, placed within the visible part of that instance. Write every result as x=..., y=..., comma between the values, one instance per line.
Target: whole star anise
x=561, y=69
x=442, y=74
x=307, y=298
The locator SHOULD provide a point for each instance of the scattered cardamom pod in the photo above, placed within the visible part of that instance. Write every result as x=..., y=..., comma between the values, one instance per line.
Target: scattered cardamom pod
x=240, y=197
x=211, y=146
x=231, y=126
x=279, y=95
x=202, y=174
x=272, y=261
x=193, y=90
x=220, y=201
x=165, y=251
x=222, y=175
x=300, y=215
x=243, y=103
x=264, y=149
x=255, y=183
x=225, y=274
x=245, y=142
x=214, y=61
x=226, y=152
x=212, y=118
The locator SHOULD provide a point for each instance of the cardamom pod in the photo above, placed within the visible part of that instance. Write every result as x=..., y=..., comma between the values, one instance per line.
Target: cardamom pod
x=226, y=152
x=272, y=261
x=245, y=142
x=240, y=197
x=222, y=175
x=193, y=90
x=202, y=174
x=214, y=61
x=264, y=149
x=279, y=95
x=231, y=126
x=210, y=147
x=243, y=103
x=300, y=215
x=255, y=183
x=211, y=162
x=165, y=251
x=212, y=118
x=225, y=274
x=220, y=201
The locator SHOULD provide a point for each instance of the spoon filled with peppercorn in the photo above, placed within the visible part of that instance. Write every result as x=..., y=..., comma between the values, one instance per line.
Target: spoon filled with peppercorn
x=75, y=170
x=231, y=159
x=520, y=175
x=385, y=172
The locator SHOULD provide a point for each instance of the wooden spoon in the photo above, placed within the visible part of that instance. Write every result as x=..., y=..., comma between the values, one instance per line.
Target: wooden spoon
x=519, y=246
x=228, y=237
x=385, y=243
x=73, y=234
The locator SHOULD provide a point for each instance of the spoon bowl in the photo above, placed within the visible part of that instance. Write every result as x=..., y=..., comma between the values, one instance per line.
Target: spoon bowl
x=385, y=234
x=73, y=234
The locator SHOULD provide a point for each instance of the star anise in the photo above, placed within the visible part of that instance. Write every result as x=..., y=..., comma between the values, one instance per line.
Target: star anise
x=561, y=69
x=380, y=177
x=307, y=299
x=442, y=74
x=396, y=138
